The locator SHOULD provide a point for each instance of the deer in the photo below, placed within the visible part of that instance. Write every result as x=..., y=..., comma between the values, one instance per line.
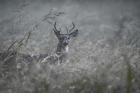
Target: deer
x=63, y=43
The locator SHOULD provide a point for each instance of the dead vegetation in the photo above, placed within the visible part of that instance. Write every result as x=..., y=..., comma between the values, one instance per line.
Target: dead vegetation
x=104, y=65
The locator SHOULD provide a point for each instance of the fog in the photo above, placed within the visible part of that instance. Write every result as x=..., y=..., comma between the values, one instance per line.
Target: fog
x=106, y=50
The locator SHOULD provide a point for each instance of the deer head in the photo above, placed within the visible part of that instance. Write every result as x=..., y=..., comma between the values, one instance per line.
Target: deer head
x=64, y=38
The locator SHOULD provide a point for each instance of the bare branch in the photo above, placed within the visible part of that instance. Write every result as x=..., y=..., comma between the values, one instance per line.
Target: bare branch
x=11, y=46
x=28, y=37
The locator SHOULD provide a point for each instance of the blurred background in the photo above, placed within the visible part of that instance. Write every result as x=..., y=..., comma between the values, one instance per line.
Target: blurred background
x=103, y=58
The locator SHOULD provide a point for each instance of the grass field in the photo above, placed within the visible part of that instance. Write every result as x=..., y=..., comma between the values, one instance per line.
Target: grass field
x=103, y=58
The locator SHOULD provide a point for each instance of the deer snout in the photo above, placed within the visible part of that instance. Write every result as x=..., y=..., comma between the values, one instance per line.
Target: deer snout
x=66, y=42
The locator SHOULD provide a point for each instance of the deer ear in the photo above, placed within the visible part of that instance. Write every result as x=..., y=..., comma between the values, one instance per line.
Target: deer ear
x=74, y=33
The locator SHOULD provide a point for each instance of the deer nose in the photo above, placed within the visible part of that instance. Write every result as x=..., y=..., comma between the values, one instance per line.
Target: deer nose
x=65, y=43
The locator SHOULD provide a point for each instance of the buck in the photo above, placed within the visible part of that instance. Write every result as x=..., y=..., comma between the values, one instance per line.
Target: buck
x=63, y=42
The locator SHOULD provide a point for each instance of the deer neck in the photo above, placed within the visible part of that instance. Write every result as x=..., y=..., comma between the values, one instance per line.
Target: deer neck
x=67, y=49
x=62, y=49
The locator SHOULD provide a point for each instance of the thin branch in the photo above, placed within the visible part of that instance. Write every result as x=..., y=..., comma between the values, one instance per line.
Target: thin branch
x=11, y=45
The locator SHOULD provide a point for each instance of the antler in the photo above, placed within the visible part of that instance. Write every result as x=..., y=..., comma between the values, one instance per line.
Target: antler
x=69, y=31
x=73, y=26
x=57, y=32
x=55, y=29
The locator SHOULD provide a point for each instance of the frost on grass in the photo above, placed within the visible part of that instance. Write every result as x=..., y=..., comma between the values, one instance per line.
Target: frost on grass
x=104, y=58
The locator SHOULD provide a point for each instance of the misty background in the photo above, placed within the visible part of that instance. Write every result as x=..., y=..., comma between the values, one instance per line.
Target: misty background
x=106, y=49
